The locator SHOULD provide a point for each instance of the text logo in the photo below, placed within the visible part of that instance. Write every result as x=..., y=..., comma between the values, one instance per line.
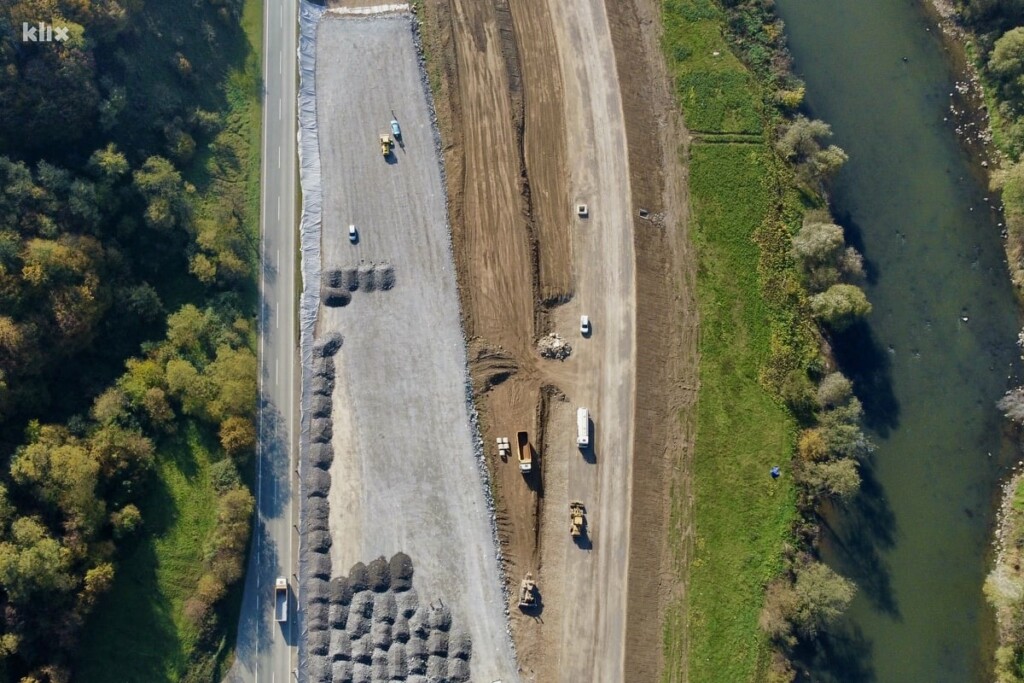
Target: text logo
x=43, y=33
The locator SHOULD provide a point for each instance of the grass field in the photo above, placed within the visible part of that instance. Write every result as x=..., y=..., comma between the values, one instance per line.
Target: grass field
x=138, y=633
x=742, y=516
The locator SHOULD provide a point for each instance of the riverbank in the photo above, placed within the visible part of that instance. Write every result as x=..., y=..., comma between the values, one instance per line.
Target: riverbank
x=997, y=155
x=761, y=352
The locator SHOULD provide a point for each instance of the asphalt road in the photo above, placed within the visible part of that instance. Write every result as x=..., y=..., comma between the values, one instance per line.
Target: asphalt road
x=265, y=649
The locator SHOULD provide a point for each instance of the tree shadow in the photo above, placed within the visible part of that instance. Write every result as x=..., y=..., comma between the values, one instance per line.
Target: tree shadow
x=868, y=365
x=859, y=534
x=841, y=656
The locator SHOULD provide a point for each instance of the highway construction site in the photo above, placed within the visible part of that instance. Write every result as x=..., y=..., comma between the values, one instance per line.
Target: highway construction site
x=462, y=517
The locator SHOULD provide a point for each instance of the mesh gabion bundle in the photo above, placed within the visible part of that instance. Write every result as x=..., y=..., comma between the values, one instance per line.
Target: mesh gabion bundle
x=400, y=568
x=362, y=604
x=400, y=631
x=362, y=649
x=318, y=480
x=437, y=668
x=379, y=666
x=330, y=344
x=342, y=670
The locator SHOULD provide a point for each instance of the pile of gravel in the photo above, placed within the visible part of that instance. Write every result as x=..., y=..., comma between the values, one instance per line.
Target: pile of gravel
x=318, y=480
x=341, y=645
x=319, y=541
x=328, y=346
x=385, y=608
x=321, y=455
x=408, y=603
x=401, y=572
x=319, y=668
x=321, y=386
x=323, y=367
x=320, y=570
x=321, y=430
x=341, y=591
x=338, y=617
x=460, y=646
x=378, y=575
x=320, y=406
x=319, y=642
x=441, y=618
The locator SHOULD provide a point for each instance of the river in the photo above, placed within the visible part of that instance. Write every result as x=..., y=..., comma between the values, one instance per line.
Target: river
x=933, y=356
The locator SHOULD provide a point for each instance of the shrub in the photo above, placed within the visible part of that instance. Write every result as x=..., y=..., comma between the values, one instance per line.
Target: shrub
x=840, y=306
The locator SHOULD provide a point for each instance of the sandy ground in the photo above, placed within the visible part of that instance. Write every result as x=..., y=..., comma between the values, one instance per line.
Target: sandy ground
x=405, y=477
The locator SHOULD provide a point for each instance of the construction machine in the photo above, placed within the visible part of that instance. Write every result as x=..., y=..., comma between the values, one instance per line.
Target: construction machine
x=525, y=452
x=576, y=519
x=385, y=144
x=527, y=592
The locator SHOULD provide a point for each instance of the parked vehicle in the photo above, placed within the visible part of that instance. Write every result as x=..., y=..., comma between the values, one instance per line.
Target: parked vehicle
x=582, y=428
x=525, y=452
x=353, y=234
x=395, y=130
x=584, y=325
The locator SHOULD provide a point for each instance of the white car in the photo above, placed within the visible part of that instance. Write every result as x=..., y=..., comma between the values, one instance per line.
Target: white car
x=584, y=325
x=353, y=236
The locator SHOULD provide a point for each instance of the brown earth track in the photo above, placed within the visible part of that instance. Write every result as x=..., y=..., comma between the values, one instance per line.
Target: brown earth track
x=500, y=107
x=667, y=363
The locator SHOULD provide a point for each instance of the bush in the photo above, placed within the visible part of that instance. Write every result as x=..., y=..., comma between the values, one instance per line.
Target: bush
x=224, y=475
x=126, y=521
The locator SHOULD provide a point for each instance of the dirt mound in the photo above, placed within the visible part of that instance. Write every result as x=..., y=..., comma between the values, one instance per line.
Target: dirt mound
x=362, y=604
x=441, y=618
x=553, y=346
x=316, y=617
x=400, y=631
x=342, y=670
x=397, y=665
x=408, y=603
x=319, y=669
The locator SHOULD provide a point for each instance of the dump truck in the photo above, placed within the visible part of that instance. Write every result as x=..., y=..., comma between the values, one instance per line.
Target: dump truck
x=576, y=519
x=525, y=452
x=385, y=144
x=527, y=592
x=281, y=599
x=582, y=428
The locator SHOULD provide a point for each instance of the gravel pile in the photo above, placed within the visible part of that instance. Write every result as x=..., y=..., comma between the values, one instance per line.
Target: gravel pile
x=338, y=617
x=378, y=575
x=320, y=569
x=319, y=541
x=328, y=346
x=320, y=406
x=321, y=455
x=321, y=430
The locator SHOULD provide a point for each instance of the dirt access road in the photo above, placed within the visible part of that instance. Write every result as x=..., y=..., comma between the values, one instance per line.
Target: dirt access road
x=542, y=105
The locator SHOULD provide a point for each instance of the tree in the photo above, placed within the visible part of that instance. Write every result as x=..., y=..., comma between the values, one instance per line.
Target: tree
x=98, y=581
x=812, y=445
x=108, y=163
x=164, y=191
x=823, y=255
x=1012, y=405
x=835, y=390
x=836, y=478
x=125, y=456
x=34, y=563
x=110, y=406
x=237, y=436
x=821, y=597
x=233, y=373
x=62, y=473
x=1007, y=63
x=190, y=387
x=800, y=143
x=840, y=306
x=126, y=521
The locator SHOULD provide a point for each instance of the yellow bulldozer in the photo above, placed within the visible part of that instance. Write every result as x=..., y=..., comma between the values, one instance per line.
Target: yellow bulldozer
x=576, y=519
x=385, y=145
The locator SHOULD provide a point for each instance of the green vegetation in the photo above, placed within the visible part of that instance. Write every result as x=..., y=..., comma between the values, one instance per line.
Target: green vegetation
x=129, y=198
x=766, y=249
x=743, y=517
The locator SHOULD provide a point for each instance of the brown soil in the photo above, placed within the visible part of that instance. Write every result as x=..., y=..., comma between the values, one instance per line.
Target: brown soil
x=499, y=102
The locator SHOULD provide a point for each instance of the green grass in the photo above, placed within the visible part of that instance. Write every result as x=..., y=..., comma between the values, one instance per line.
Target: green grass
x=138, y=630
x=742, y=517
x=717, y=92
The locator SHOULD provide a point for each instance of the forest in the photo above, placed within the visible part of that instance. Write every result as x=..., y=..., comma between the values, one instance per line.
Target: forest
x=128, y=249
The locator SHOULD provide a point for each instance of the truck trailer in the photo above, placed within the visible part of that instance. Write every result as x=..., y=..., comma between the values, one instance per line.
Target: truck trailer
x=281, y=600
x=582, y=428
x=524, y=451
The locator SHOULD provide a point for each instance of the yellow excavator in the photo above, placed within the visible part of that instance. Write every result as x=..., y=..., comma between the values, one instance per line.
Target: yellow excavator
x=385, y=145
x=576, y=519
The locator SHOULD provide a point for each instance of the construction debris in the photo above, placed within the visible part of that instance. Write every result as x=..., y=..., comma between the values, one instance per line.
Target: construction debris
x=553, y=346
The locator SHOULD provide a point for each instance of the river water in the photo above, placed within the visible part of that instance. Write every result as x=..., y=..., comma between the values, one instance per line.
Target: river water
x=933, y=357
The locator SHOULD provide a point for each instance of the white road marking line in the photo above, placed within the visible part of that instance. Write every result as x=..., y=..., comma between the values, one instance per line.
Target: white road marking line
x=280, y=110
x=279, y=166
x=277, y=371
x=279, y=205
